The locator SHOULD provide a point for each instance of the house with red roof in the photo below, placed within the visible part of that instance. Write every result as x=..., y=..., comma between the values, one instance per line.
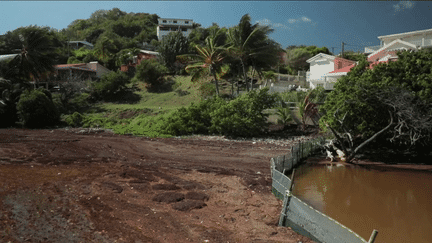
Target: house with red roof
x=143, y=54
x=383, y=53
x=80, y=71
x=322, y=64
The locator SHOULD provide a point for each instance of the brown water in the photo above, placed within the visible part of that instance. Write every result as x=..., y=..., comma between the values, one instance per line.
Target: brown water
x=396, y=203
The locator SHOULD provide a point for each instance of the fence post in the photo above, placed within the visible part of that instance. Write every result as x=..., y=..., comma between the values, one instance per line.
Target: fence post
x=286, y=201
x=373, y=236
x=283, y=163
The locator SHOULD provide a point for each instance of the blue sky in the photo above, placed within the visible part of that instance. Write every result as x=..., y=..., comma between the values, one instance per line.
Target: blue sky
x=320, y=23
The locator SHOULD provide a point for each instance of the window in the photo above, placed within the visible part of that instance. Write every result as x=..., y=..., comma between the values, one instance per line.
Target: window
x=175, y=21
x=184, y=29
x=186, y=22
x=163, y=21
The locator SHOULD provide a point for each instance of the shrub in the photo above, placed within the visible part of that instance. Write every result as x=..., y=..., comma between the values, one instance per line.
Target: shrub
x=36, y=109
x=150, y=71
x=57, y=100
x=110, y=84
x=9, y=97
x=74, y=120
x=245, y=115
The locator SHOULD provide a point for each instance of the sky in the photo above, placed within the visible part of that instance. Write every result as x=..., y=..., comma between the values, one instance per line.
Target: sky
x=319, y=23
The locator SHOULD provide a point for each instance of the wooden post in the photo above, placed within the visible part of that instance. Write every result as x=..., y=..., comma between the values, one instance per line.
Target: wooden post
x=373, y=236
x=292, y=181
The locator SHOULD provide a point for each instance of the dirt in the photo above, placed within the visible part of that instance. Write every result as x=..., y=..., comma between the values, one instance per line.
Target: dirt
x=73, y=186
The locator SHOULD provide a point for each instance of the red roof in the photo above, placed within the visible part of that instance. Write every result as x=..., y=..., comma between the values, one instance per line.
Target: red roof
x=344, y=70
x=77, y=66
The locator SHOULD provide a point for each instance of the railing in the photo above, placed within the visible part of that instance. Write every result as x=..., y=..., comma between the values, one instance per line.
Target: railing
x=370, y=49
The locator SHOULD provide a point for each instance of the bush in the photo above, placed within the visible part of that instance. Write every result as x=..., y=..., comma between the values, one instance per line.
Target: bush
x=58, y=103
x=244, y=116
x=150, y=71
x=109, y=85
x=74, y=120
x=36, y=110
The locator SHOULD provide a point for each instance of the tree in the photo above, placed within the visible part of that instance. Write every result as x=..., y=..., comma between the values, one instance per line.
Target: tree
x=172, y=45
x=354, y=56
x=37, y=52
x=392, y=101
x=250, y=44
x=297, y=56
x=151, y=72
x=208, y=61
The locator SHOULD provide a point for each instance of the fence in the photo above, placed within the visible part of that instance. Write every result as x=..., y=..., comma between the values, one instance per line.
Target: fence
x=298, y=215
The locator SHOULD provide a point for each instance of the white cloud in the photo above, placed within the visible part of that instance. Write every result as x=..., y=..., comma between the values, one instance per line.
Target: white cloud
x=271, y=24
x=303, y=19
x=403, y=5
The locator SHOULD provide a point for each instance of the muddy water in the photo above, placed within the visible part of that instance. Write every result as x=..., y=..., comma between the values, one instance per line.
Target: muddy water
x=396, y=203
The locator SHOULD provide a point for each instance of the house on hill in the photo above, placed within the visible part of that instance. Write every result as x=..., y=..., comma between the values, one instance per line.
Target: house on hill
x=322, y=64
x=78, y=44
x=321, y=73
x=167, y=25
x=77, y=71
x=143, y=54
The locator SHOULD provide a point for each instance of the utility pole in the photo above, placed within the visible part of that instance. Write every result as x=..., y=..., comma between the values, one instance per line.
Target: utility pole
x=342, y=49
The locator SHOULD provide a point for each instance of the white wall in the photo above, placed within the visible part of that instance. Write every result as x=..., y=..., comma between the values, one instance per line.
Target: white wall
x=319, y=67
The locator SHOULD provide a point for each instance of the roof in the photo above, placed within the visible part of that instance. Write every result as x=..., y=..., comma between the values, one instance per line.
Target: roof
x=7, y=57
x=341, y=71
x=405, y=34
x=390, y=44
x=150, y=52
x=320, y=55
x=174, y=19
x=83, y=42
x=76, y=66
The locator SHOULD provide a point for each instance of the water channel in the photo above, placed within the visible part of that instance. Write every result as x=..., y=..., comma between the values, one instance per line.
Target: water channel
x=398, y=203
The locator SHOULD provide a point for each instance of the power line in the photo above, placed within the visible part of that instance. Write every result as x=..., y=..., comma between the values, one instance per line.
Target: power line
x=353, y=45
x=333, y=47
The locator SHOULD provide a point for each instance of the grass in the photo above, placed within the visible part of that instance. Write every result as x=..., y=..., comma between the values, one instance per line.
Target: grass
x=163, y=102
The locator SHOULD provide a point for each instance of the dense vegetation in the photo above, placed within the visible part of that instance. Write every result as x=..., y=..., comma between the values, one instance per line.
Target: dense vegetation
x=392, y=100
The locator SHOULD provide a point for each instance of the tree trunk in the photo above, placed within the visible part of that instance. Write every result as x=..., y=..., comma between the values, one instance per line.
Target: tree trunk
x=253, y=74
x=245, y=75
x=352, y=152
x=216, y=83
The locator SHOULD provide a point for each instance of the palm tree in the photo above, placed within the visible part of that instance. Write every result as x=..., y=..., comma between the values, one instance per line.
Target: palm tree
x=36, y=55
x=251, y=46
x=209, y=61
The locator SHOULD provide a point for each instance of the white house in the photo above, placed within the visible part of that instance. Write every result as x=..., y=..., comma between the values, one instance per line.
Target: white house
x=325, y=70
x=320, y=66
x=419, y=38
x=166, y=26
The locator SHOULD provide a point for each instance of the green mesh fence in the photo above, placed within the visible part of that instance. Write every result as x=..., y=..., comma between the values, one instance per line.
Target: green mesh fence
x=298, y=215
